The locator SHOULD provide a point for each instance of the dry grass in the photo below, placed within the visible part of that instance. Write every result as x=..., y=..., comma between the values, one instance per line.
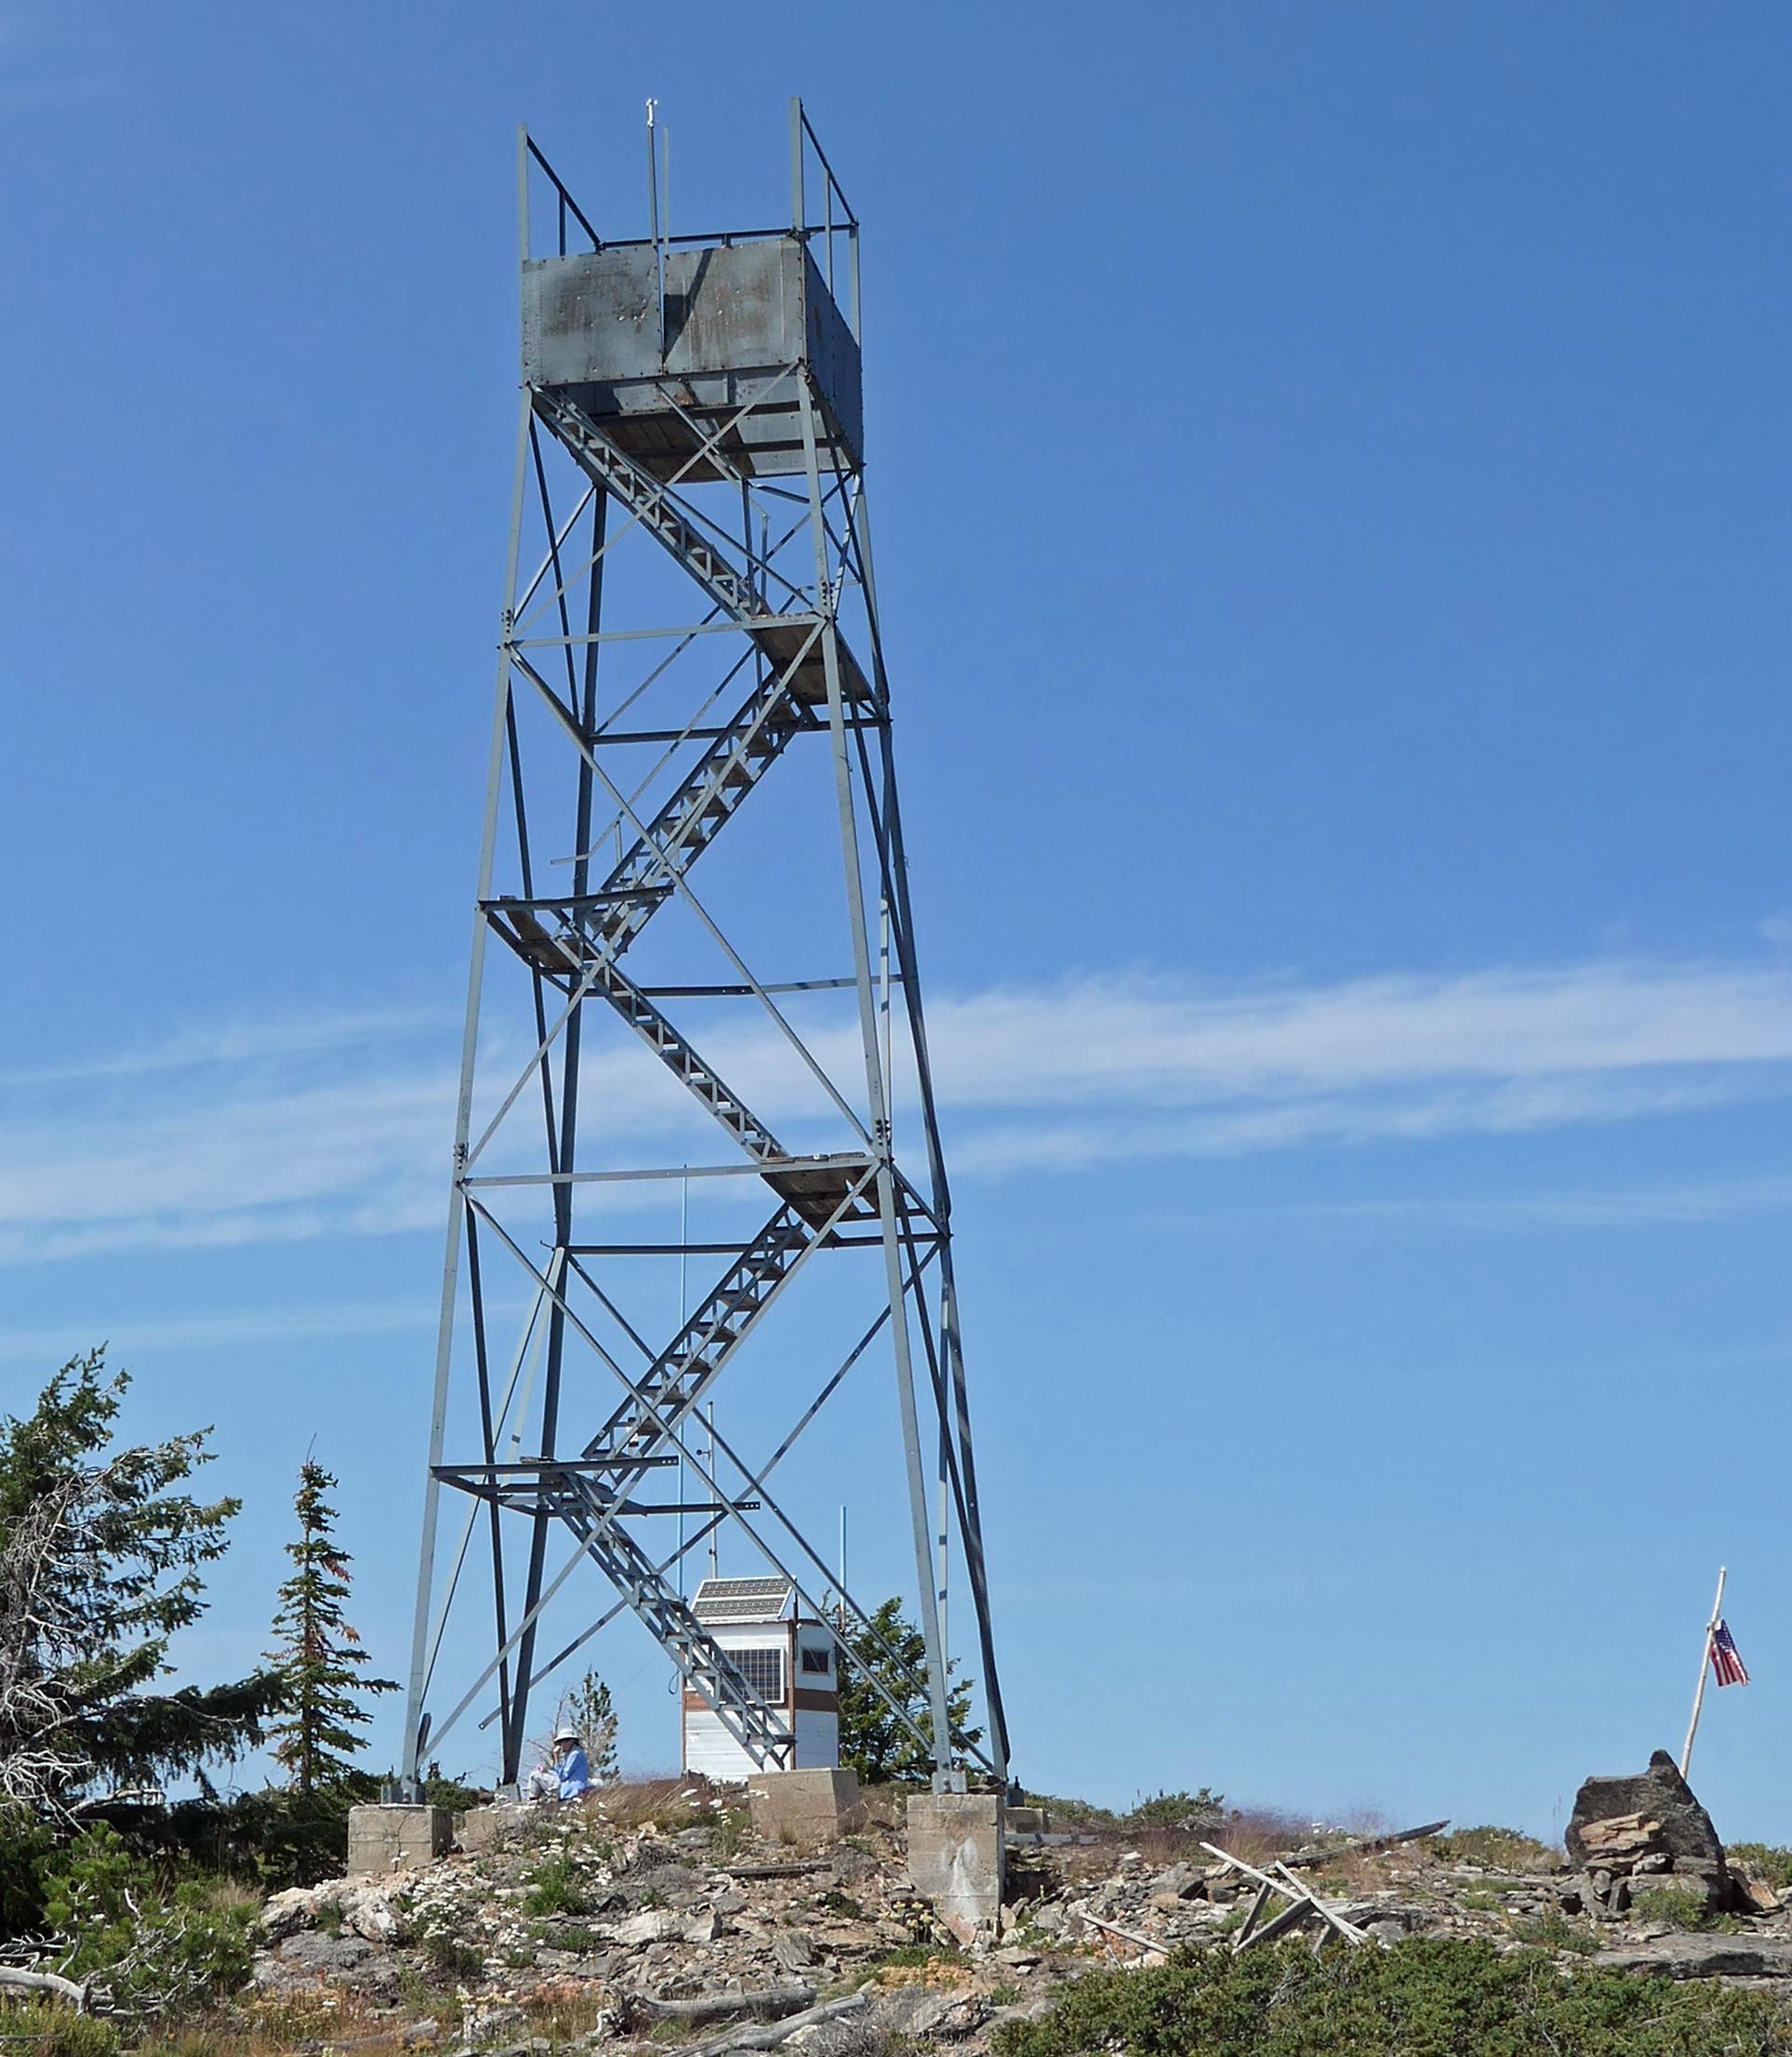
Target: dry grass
x=271, y=2027
x=1257, y=1835
x=1495, y=1849
x=567, y=2009
x=668, y=1804
x=1355, y=1873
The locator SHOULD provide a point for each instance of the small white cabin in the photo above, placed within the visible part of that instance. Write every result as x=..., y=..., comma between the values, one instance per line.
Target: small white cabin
x=788, y=1662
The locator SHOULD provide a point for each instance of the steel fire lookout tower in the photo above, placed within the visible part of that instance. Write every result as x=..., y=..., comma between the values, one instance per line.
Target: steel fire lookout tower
x=690, y=667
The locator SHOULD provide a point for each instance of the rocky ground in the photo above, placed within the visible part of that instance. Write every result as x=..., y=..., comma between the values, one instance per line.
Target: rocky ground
x=593, y=1925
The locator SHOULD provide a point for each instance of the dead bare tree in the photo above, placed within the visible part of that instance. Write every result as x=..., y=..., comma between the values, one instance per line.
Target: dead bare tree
x=40, y=1642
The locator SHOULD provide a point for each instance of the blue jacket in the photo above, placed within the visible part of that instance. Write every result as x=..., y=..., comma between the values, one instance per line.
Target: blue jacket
x=575, y=1774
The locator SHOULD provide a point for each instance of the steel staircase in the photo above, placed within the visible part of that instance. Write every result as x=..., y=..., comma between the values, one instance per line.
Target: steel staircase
x=690, y=820
x=648, y=499
x=707, y=1667
x=676, y=1053
x=679, y=1376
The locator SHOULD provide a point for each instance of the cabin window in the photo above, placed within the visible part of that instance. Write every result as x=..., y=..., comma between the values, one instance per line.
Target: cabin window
x=818, y=1660
x=763, y=1670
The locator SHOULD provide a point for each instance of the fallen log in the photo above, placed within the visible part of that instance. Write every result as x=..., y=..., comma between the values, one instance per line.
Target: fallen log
x=767, y=2004
x=1362, y=1846
x=1126, y=1936
x=46, y=1982
x=773, y=2033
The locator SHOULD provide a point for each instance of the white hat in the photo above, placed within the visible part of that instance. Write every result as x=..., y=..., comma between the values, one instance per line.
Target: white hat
x=566, y=1735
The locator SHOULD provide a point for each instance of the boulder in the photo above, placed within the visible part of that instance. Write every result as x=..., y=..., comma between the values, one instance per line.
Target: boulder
x=1659, y=1797
x=1704, y=1956
x=314, y=1951
x=792, y=1950
x=368, y=1914
x=287, y=1912
x=665, y=1925
x=921, y=2012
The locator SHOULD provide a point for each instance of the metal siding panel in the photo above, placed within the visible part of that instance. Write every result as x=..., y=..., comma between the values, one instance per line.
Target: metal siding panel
x=731, y=310
x=587, y=318
x=829, y=346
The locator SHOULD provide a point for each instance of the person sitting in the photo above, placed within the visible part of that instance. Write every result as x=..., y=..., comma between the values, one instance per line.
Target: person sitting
x=572, y=1764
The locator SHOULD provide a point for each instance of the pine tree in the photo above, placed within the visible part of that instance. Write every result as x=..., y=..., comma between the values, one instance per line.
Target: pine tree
x=589, y=1709
x=873, y=1741
x=102, y=1555
x=317, y=1653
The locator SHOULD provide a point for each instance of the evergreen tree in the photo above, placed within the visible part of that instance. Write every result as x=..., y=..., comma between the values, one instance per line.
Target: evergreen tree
x=318, y=1655
x=873, y=1741
x=589, y=1709
x=101, y=1562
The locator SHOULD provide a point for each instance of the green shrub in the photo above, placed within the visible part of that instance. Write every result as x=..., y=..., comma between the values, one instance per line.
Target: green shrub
x=1430, y=1997
x=1187, y=1811
x=731, y=1827
x=270, y=1839
x=568, y=1935
x=1772, y=1862
x=52, y=2030
x=453, y=1793
x=25, y=1847
x=1669, y=1909
x=452, y=1957
x=913, y=1955
x=557, y=1889
x=1554, y=1931
x=1072, y=1814
x=148, y=1944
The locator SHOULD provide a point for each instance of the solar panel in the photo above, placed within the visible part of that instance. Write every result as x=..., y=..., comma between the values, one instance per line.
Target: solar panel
x=723, y=1600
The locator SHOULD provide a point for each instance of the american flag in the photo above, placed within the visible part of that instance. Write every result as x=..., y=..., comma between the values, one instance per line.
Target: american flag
x=1726, y=1659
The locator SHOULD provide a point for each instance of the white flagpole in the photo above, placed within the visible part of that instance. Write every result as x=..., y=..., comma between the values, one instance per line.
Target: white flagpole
x=1705, y=1665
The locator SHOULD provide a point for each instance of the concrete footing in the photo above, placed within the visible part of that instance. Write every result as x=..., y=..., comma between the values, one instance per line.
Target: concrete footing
x=383, y=1840
x=957, y=1857
x=484, y=1827
x=808, y=1808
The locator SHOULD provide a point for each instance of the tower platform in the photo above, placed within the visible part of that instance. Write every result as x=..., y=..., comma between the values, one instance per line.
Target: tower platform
x=662, y=372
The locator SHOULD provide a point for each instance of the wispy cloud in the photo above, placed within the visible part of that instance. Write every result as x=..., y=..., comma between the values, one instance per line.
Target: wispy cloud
x=1692, y=1203
x=1097, y=1071
x=1132, y=1037
x=244, y=1043
x=339, y=1123
x=130, y=1337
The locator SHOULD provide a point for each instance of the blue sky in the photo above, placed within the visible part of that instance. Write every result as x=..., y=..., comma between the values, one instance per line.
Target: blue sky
x=1331, y=481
